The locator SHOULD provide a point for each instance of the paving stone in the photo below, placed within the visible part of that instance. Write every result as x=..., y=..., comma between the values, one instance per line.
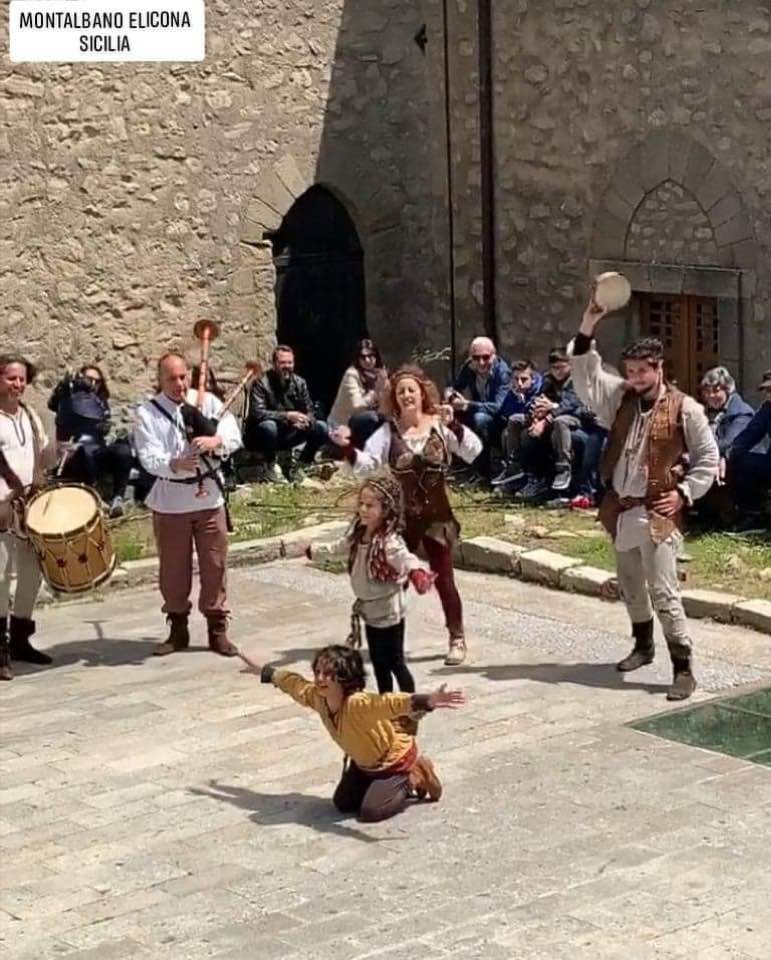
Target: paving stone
x=216, y=837
x=545, y=566
x=753, y=613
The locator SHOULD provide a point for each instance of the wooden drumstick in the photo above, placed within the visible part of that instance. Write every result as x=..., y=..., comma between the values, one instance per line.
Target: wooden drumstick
x=250, y=663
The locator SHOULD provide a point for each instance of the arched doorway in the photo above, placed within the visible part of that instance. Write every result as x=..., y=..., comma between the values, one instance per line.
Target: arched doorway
x=320, y=297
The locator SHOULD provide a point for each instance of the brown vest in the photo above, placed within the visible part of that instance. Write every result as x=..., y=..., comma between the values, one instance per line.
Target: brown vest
x=427, y=509
x=666, y=447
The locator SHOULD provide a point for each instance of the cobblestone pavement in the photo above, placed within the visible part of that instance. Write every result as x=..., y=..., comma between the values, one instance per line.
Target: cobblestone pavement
x=175, y=808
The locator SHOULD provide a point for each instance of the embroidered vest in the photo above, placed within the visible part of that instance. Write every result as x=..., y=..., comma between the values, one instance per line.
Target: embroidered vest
x=666, y=447
x=427, y=510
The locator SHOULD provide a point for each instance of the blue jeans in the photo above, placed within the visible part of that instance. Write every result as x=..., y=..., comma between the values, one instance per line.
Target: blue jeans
x=588, y=444
x=270, y=436
x=749, y=479
x=487, y=427
x=363, y=425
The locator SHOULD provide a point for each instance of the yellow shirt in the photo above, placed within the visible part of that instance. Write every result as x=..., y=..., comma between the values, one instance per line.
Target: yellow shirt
x=364, y=727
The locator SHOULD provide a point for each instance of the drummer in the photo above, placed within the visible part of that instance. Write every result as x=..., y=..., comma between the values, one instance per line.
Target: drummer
x=25, y=452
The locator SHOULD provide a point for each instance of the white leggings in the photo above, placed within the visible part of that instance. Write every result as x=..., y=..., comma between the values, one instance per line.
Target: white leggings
x=18, y=556
x=647, y=578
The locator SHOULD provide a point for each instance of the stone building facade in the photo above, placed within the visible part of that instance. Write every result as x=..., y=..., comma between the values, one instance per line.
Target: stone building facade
x=137, y=198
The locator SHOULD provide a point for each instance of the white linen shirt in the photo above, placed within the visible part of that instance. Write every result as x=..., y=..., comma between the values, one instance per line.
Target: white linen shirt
x=158, y=442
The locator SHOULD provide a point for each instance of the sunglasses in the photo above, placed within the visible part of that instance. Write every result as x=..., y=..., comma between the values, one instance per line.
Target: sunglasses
x=481, y=356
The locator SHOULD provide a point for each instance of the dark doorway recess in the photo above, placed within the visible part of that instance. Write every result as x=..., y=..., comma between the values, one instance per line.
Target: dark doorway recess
x=320, y=297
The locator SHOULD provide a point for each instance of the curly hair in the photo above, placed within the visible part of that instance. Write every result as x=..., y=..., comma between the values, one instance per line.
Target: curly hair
x=344, y=664
x=646, y=348
x=428, y=391
x=389, y=492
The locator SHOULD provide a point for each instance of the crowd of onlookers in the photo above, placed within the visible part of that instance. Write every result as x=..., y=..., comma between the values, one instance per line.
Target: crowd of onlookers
x=541, y=445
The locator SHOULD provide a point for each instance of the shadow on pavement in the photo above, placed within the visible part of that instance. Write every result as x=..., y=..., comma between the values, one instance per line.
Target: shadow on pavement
x=583, y=674
x=271, y=809
x=95, y=653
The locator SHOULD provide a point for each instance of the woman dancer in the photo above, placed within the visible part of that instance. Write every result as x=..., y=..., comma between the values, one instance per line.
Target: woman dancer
x=418, y=441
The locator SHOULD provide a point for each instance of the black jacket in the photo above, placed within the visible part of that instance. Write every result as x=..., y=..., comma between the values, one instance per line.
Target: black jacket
x=563, y=393
x=271, y=398
x=79, y=411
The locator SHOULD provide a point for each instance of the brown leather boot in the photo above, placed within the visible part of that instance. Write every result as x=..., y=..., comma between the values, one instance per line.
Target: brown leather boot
x=178, y=638
x=21, y=649
x=424, y=781
x=644, y=648
x=5, y=651
x=684, y=682
x=217, y=624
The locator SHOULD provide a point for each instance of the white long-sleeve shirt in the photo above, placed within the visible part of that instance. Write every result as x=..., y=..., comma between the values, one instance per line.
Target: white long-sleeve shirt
x=377, y=449
x=603, y=392
x=158, y=441
x=381, y=603
x=18, y=446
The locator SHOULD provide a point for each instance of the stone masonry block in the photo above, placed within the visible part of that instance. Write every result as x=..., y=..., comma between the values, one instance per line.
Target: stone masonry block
x=753, y=613
x=733, y=231
x=627, y=181
x=545, y=566
x=715, y=186
x=667, y=279
x=725, y=209
x=679, y=152
x=700, y=162
x=589, y=580
x=709, y=603
x=654, y=160
x=491, y=555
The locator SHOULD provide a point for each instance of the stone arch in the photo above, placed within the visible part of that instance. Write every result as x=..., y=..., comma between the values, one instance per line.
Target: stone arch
x=251, y=317
x=671, y=158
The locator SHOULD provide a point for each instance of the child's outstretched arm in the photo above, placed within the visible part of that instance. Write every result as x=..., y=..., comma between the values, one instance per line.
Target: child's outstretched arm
x=446, y=699
x=298, y=688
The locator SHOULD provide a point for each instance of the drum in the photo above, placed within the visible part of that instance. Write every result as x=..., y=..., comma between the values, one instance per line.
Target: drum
x=66, y=527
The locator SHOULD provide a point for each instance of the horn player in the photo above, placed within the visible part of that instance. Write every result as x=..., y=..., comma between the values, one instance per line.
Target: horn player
x=183, y=445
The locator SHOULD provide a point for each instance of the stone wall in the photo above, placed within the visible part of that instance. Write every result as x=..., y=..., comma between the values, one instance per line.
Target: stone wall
x=612, y=121
x=134, y=197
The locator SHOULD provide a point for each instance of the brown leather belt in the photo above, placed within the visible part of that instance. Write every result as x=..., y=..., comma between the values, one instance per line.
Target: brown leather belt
x=629, y=503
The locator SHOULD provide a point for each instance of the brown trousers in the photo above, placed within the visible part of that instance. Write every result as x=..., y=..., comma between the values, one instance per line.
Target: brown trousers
x=175, y=534
x=371, y=798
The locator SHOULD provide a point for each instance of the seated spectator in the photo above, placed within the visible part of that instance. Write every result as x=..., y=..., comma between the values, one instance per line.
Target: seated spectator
x=281, y=417
x=484, y=379
x=526, y=384
x=748, y=469
x=358, y=396
x=728, y=415
x=82, y=408
x=542, y=447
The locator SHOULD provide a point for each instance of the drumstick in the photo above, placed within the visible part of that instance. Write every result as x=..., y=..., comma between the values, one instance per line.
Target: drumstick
x=250, y=663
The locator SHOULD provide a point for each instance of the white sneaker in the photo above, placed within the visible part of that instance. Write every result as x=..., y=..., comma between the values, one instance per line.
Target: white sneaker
x=274, y=474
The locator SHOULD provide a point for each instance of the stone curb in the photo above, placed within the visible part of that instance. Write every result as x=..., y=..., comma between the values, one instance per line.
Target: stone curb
x=487, y=554
x=288, y=546
x=560, y=572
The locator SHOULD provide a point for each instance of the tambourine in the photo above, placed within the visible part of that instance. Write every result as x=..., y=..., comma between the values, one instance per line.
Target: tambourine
x=612, y=291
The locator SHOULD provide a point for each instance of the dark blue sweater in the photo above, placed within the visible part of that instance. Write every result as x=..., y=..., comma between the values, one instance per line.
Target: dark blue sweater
x=757, y=431
x=736, y=416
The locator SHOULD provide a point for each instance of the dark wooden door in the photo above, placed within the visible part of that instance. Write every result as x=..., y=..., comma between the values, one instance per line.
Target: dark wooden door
x=688, y=328
x=320, y=295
